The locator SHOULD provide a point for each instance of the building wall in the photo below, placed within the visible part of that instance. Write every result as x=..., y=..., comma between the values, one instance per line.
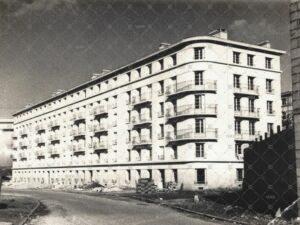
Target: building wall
x=151, y=153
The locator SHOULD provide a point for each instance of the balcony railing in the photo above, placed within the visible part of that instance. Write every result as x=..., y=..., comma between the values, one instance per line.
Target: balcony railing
x=190, y=86
x=99, y=128
x=77, y=117
x=190, y=110
x=138, y=100
x=99, y=145
x=246, y=113
x=40, y=140
x=245, y=90
x=53, y=124
x=143, y=140
x=187, y=134
x=246, y=136
x=54, y=137
x=40, y=127
x=78, y=147
x=99, y=110
x=76, y=133
x=143, y=119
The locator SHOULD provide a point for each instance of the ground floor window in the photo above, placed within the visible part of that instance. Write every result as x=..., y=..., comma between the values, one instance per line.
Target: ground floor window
x=200, y=176
x=239, y=174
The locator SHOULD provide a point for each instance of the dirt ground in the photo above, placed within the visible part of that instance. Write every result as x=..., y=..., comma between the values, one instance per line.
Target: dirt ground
x=13, y=209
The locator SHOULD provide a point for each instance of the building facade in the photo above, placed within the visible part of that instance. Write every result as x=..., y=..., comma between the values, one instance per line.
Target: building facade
x=287, y=109
x=183, y=114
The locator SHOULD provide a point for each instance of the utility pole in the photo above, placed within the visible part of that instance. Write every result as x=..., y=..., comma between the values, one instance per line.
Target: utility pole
x=295, y=62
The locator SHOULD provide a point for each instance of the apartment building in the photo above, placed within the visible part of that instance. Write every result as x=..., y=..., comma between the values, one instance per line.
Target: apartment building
x=182, y=114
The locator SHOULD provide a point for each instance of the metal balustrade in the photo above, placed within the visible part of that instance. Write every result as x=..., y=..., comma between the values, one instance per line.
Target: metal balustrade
x=190, y=110
x=99, y=110
x=245, y=90
x=190, y=86
x=246, y=136
x=246, y=113
x=187, y=134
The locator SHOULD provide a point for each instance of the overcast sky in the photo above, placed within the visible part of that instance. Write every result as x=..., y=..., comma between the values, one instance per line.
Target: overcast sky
x=47, y=45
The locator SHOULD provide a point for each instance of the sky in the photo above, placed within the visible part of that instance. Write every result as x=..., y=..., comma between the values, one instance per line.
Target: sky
x=46, y=45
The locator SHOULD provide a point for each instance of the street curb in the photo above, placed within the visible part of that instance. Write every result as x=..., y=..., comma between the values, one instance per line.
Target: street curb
x=191, y=211
x=25, y=220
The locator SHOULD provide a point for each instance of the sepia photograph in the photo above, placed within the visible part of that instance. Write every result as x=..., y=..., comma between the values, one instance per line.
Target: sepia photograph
x=149, y=112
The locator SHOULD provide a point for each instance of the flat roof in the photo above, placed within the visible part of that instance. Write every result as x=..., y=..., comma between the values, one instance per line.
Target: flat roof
x=150, y=57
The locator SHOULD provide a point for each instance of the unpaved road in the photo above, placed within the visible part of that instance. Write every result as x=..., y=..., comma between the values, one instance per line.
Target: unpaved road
x=80, y=209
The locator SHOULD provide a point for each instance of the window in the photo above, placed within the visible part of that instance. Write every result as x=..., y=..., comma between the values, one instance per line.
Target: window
x=250, y=60
x=139, y=72
x=251, y=127
x=129, y=175
x=239, y=174
x=199, y=78
x=161, y=63
x=175, y=173
x=198, y=102
x=162, y=109
x=199, y=126
x=269, y=86
x=236, y=57
x=175, y=152
x=270, y=128
x=198, y=53
x=270, y=107
x=199, y=150
x=250, y=83
x=251, y=105
x=237, y=126
x=238, y=149
x=128, y=77
x=200, y=176
x=162, y=130
x=268, y=63
x=236, y=81
x=237, y=104
x=174, y=59
x=149, y=68
x=162, y=87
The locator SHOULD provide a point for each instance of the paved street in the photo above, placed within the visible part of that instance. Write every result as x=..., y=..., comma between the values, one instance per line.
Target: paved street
x=80, y=209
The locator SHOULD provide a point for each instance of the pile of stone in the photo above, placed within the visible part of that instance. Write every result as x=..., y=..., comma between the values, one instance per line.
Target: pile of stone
x=145, y=186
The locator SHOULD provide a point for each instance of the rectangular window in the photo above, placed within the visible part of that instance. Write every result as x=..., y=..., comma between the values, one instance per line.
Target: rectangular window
x=200, y=176
x=129, y=175
x=174, y=59
x=250, y=59
x=237, y=126
x=198, y=53
x=269, y=88
x=198, y=102
x=237, y=104
x=250, y=83
x=129, y=76
x=239, y=174
x=236, y=81
x=268, y=63
x=199, y=126
x=236, y=57
x=149, y=68
x=238, y=149
x=251, y=127
x=162, y=109
x=175, y=152
x=251, y=105
x=199, y=150
x=139, y=72
x=162, y=87
x=270, y=107
x=175, y=173
x=161, y=63
x=270, y=128
x=198, y=77
x=162, y=130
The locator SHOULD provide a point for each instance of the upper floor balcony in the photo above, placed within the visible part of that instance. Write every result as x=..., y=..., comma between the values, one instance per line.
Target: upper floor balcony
x=77, y=133
x=245, y=90
x=54, y=151
x=54, y=124
x=99, y=128
x=142, y=140
x=40, y=127
x=246, y=136
x=187, y=135
x=23, y=132
x=247, y=113
x=143, y=119
x=78, y=147
x=99, y=146
x=100, y=110
x=54, y=137
x=186, y=87
x=144, y=99
x=190, y=110
x=40, y=140
x=76, y=117
x=24, y=144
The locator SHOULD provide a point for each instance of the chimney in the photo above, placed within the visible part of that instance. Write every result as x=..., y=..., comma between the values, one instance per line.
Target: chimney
x=265, y=44
x=163, y=45
x=219, y=33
